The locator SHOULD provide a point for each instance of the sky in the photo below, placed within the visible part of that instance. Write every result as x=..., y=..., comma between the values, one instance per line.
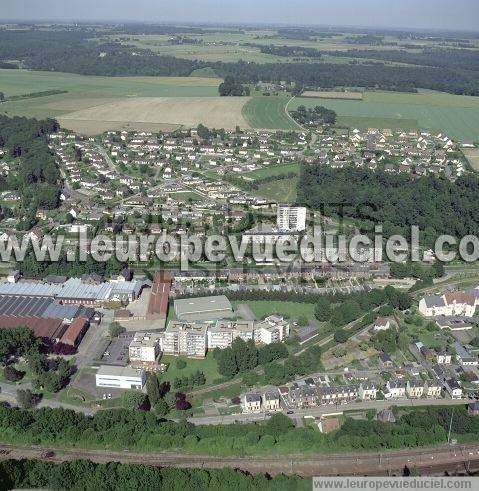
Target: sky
x=431, y=14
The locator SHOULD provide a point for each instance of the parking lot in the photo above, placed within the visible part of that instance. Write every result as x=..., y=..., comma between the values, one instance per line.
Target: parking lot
x=116, y=352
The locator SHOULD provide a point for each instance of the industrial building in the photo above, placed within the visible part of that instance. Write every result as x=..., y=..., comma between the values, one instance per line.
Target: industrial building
x=159, y=297
x=116, y=377
x=76, y=291
x=203, y=308
x=30, y=305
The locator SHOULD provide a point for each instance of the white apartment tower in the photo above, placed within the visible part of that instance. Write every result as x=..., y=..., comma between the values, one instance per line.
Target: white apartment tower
x=291, y=218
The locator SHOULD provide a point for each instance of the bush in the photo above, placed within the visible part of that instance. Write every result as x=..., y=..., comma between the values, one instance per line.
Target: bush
x=341, y=336
x=115, y=329
x=180, y=364
x=322, y=311
x=12, y=374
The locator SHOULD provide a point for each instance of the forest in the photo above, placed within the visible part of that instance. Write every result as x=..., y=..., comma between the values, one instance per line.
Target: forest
x=89, y=476
x=435, y=204
x=143, y=431
x=38, y=176
x=30, y=267
x=86, y=51
x=461, y=59
x=319, y=115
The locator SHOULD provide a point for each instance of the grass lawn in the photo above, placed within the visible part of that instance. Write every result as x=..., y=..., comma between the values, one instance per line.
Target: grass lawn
x=458, y=116
x=207, y=366
x=273, y=171
x=268, y=112
x=292, y=310
x=279, y=190
x=187, y=195
x=226, y=392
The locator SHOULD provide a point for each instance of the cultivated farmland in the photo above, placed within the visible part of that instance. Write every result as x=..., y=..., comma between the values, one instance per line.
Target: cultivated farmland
x=349, y=96
x=84, y=92
x=457, y=116
x=269, y=112
x=472, y=156
x=216, y=112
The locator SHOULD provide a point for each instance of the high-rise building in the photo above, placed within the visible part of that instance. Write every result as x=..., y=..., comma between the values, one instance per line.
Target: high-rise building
x=291, y=218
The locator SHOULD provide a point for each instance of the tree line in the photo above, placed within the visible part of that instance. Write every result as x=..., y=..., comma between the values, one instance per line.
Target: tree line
x=90, y=476
x=73, y=52
x=48, y=373
x=37, y=178
x=435, y=204
x=141, y=431
x=319, y=115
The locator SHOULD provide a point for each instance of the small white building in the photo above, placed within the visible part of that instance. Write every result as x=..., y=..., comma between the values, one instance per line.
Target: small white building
x=13, y=277
x=415, y=389
x=251, y=403
x=453, y=388
x=444, y=358
x=367, y=391
x=382, y=324
x=432, y=389
x=395, y=389
x=120, y=377
x=271, y=401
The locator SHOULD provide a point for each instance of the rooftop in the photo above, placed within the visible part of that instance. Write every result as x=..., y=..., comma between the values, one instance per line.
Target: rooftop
x=202, y=304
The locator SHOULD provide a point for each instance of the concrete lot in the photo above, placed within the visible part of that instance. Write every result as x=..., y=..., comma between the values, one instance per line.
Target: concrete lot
x=86, y=381
x=117, y=351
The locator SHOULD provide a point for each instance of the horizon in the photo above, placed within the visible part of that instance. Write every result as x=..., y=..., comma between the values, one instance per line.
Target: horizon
x=177, y=22
x=436, y=15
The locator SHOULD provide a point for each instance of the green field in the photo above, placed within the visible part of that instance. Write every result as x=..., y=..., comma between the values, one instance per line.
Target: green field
x=186, y=196
x=273, y=171
x=208, y=366
x=457, y=116
x=279, y=190
x=84, y=92
x=268, y=112
x=290, y=310
x=218, y=45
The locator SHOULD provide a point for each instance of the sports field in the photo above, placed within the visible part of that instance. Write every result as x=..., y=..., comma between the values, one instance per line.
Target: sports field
x=269, y=112
x=457, y=116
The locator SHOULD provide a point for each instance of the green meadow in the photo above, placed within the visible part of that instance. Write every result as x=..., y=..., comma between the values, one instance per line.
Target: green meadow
x=457, y=116
x=268, y=112
x=84, y=92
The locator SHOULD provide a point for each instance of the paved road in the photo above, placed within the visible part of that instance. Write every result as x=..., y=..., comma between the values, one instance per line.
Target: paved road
x=8, y=393
x=432, y=461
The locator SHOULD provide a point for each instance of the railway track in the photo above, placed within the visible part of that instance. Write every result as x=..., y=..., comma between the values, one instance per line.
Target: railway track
x=431, y=461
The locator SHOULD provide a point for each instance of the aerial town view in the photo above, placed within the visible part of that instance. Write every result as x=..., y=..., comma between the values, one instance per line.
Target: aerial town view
x=239, y=245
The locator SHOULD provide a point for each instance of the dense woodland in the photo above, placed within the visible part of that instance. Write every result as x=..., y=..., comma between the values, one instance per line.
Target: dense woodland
x=319, y=115
x=435, y=204
x=89, y=476
x=30, y=267
x=85, y=51
x=461, y=59
x=37, y=178
x=144, y=431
